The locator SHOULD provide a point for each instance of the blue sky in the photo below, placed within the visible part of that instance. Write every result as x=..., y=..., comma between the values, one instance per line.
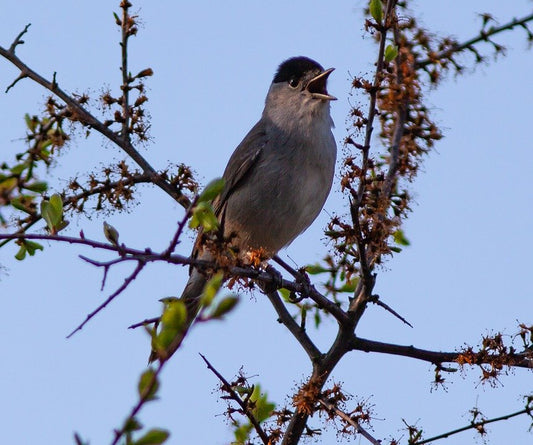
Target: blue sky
x=467, y=271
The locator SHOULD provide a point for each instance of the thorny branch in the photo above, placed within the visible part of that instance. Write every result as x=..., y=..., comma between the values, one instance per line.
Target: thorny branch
x=349, y=420
x=519, y=360
x=323, y=368
x=226, y=387
x=297, y=331
x=346, y=341
x=484, y=36
x=82, y=115
x=123, y=286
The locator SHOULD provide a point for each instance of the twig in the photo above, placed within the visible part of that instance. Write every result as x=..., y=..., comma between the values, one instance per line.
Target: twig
x=144, y=322
x=474, y=425
x=107, y=186
x=483, y=36
x=385, y=306
x=18, y=40
x=125, y=24
x=351, y=421
x=70, y=240
x=19, y=233
x=127, y=281
x=299, y=334
x=179, y=230
x=244, y=406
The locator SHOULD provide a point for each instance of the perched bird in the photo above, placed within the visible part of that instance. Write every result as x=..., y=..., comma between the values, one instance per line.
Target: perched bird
x=279, y=176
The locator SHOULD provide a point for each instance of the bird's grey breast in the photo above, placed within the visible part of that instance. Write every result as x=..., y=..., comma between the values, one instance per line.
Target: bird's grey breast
x=281, y=194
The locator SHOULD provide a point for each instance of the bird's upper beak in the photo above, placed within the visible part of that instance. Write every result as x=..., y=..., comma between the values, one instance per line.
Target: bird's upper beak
x=317, y=86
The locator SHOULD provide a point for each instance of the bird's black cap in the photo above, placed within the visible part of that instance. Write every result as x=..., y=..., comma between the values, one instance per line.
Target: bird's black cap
x=295, y=68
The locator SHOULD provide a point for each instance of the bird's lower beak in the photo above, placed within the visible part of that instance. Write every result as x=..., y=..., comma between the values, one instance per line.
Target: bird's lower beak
x=317, y=86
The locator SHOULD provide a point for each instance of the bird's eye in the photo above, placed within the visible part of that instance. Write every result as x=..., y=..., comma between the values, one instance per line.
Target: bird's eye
x=293, y=83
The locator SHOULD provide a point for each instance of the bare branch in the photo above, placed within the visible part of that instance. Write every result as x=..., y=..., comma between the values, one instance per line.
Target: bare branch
x=144, y=322
x=179, y=230
x=125, y=25
x=17, y=79
x=299, y=333
x=375, y=299
x=521, y=360
x=18, y=40
x=125, y=284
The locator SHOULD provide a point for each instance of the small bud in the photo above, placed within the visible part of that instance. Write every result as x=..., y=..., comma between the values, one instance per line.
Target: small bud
x=111, y=234
x=147, y=72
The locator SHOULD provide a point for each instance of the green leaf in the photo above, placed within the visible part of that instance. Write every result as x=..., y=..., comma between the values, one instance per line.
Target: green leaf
x=153, y=437
x=317, y=318
x=52, y=212
x=212, y=190
x=376, y=10
x=263, y=408
x=203, y=215
x=37, y=186
x=225, y=306
x=400, y=238
x=391, y=51
x=117, y=19
x=315, y=269
x=349, y=286
x=165, y=338
x=57, y=204
x=19, y=168
x=61, y=225
x=285, y=294
x=174, y=315
x=242, y=433
x=211, y=288
x=31, y=122
x=132, y=424
x=19, y=204
x=32, y=246
x=46, y=214
x=6, y=185
x=21, y=254
x=145, y=381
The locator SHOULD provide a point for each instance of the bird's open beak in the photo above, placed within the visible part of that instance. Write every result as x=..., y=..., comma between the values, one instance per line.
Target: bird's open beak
x=317, y=86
